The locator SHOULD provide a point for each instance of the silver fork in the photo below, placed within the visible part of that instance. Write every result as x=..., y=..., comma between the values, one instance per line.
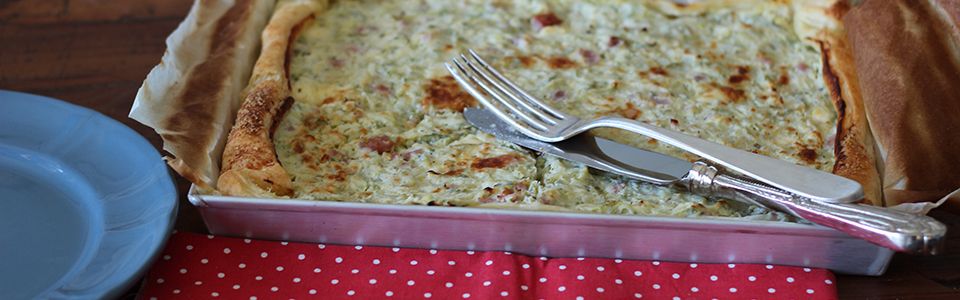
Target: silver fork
x=803, y=192
x=538, y=120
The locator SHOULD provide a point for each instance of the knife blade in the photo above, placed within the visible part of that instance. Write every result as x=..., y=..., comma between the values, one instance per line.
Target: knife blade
x=596, y=152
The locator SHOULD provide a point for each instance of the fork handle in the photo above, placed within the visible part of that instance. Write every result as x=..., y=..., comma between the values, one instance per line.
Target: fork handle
x=893, y=229
x=799, y=180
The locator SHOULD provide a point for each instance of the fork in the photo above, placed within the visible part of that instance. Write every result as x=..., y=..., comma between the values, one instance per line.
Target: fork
x=816, y=196
x=538, y=120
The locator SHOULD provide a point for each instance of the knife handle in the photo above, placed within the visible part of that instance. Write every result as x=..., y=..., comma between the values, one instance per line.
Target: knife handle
x=889, y=228
x=798, y=180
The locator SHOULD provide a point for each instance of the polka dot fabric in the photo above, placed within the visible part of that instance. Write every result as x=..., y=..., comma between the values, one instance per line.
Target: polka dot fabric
x=197, y=266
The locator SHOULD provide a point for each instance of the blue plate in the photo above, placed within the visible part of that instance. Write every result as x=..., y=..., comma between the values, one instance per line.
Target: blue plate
x=85, y=202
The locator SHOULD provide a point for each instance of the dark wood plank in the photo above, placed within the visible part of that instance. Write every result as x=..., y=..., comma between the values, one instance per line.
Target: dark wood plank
x=90, y=54
x=87, y=11
x=912, y=276
x=96, y=54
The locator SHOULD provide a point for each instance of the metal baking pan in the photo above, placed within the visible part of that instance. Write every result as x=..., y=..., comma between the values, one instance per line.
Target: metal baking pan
x=540, y=233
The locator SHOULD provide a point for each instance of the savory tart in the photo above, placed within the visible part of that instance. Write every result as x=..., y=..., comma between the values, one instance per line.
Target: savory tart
x=349, y=100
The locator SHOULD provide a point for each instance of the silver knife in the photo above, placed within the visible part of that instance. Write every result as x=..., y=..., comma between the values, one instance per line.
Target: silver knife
x=893, y=229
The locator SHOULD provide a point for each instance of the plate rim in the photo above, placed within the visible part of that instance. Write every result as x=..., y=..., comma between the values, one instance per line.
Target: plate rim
x=116, y=281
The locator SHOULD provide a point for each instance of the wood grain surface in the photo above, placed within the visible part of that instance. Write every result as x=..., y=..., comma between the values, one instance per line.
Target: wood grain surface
x=95, y=53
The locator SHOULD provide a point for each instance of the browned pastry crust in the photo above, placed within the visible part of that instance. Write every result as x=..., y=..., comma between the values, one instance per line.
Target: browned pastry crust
x=908, y=56
x=855, y=150
x=250, y=165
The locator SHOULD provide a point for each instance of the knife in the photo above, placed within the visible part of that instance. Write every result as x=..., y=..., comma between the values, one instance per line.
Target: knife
x=893, y=229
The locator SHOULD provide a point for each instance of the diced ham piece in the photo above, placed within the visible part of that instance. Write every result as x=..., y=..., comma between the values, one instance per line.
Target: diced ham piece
x=559, y=95
x=784, y=79
x=589, y=57
x=614, y=41
x=543, y=20
x=382, y=89
x=380, y=144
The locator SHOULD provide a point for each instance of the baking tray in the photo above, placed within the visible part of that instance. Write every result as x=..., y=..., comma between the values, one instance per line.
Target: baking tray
x=541, y=233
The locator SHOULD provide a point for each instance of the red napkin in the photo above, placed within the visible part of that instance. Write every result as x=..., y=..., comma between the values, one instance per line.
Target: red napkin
x=198, y=266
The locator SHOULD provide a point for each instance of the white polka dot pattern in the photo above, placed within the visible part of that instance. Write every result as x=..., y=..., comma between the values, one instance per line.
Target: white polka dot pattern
x=197, y=265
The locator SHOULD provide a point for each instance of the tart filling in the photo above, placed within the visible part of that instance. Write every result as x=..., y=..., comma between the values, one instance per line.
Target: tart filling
x=377, y=119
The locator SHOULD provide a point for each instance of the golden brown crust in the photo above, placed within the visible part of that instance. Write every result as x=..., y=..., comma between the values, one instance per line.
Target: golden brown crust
x=250, y=165
x=445, y=93
x=908, y=57
x=854, y=145
x=819, y=21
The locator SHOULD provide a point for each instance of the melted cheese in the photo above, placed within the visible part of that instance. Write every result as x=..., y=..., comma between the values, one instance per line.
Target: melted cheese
x=376, y=118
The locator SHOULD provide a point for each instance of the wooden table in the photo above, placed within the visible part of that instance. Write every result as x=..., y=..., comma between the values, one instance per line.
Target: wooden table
x=96, y=54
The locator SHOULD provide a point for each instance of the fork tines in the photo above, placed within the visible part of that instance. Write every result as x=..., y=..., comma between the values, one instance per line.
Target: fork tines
x=512, y=104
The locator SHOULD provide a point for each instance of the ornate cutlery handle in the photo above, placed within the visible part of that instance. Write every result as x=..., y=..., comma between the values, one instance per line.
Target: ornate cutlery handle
x=798, y=180
x=893, y=229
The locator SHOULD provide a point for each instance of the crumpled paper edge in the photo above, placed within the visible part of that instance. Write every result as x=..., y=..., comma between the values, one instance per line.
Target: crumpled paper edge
x=195, y=149
x=923, y=208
